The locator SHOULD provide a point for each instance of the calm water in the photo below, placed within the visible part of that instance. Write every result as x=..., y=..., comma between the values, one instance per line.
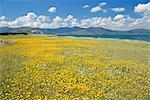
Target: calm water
x=131, y=37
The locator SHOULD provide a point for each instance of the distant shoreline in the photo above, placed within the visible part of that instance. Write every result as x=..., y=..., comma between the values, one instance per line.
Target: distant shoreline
x=122, y=37
x=144, y=38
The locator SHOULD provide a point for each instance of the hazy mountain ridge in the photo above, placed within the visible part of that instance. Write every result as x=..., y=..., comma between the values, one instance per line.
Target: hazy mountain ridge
x=76, y=31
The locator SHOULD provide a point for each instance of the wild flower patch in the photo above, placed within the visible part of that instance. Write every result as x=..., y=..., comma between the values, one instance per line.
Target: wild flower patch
x=67, y=68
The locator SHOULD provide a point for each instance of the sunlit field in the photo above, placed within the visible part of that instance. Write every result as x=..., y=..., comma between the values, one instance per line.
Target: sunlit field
x=50, y=68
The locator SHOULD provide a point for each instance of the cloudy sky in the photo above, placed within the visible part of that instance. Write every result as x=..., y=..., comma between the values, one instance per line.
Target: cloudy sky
x=110, y=14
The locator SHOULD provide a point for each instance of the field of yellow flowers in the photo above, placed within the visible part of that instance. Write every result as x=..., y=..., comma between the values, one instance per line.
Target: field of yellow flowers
x=66, y=68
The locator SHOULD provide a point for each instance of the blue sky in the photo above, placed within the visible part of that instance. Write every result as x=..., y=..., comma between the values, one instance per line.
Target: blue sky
x=15, y=8
x=12, y=9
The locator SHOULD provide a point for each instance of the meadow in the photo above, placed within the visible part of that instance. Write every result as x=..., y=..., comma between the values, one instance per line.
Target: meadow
x=66, y=68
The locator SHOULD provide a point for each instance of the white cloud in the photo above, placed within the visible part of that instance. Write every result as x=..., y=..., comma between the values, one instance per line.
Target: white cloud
x=30, y=20
x=43, y=19
x=31, y=15
x=52, y=9
x=86, y=6
x=118, y=17
x=57, y=19
x=2, y=18
x=96, y=9
x=27, y=20
x=143, y=22
x=99, y=8
x=69, y=18
x=71, y=21
x=56, y=22
x=104, y=10
x=118, y=9
x=142, y=8
x=3, y=21
x=118, y=22
x=102, y=4
x=95, y=22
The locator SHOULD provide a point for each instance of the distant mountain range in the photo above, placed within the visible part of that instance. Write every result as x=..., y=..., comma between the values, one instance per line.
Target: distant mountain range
x=75, y=31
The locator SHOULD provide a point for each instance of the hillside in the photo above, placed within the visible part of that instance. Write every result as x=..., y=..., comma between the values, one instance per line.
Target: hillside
x=78, y=31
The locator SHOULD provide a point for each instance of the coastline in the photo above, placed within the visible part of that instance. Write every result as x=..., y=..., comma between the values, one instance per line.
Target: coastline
x=120, y=39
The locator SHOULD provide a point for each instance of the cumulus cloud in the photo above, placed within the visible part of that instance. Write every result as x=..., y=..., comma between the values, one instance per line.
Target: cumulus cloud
x=30, y=20
x=144, y=21
x=118, y=17
x=142, y=8
x=102, y=4
x=2, y=18
x=95, y=22
x=118, y=22
x=99, y=8
x=117, y=9
x=57, y=19
x=86, y=6
x=52, y=9
x=3, y=21
x=56, y=22
x=105, y=22
x=43, y=19
x=96, y=9
x=71, y=21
